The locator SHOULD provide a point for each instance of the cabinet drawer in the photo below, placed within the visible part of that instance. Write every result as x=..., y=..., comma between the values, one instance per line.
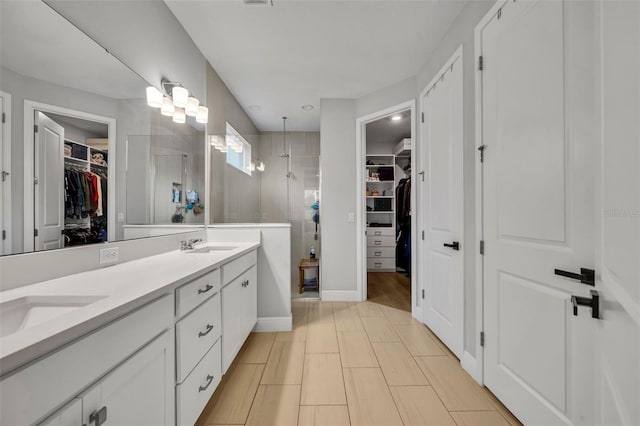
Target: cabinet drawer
x=195, y=392
x=238, y=266
x=381, y=252
x=381, y=231
x=195, y=334
x=197, y=291
x=384, y=263
x=381, y=241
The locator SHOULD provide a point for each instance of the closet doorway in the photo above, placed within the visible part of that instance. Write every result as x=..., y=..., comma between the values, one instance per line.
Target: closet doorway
x=70, y=202
x=387, y=247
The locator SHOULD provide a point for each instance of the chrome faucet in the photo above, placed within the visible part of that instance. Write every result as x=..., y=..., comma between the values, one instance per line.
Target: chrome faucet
x=188, y=244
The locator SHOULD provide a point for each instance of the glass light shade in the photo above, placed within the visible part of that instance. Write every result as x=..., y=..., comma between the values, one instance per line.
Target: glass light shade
x=154, y=97
x=179, y=116
x=252, y=167
x=180, y=96
x=167, y=107
x=192, y=106
x=203, y=115
x=260, y=166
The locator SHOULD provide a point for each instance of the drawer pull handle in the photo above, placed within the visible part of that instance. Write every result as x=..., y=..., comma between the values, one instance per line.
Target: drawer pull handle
x=209, y=380
x=377, y=253
x=377, y=243
x=377, y=233
x=209, y=328
x=206, y=289
x=378, y=264
x=98, y=417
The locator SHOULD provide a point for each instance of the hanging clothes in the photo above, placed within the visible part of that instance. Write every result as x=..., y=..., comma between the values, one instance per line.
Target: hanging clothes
x=403, y=225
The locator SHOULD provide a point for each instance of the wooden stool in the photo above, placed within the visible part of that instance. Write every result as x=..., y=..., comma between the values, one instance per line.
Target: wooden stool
x=309, y=264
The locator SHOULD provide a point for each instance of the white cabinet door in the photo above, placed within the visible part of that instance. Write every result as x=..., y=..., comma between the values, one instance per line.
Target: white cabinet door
x=239, y=314
x=141, y=391
x=538, y=110
x=70, y=415
x=618, y=333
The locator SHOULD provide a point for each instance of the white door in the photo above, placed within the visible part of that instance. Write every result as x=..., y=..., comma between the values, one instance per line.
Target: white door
x=49, y=183
x=443, y=306
x=618, y=334
x=2, y=180
x=538, y=112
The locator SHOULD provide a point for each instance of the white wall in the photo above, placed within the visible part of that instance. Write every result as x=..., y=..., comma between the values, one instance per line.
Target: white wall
x=338, y=196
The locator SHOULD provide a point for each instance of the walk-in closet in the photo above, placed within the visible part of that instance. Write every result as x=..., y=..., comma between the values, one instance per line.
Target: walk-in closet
x=388, y=210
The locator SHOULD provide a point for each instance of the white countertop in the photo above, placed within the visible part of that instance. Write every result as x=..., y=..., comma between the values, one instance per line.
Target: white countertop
x=124, y=287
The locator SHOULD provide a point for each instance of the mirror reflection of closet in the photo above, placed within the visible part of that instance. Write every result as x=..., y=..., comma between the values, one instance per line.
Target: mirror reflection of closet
x=71, y=158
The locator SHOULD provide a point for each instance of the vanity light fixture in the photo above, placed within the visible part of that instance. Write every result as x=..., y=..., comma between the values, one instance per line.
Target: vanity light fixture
x=396, y=118
x=252, y=167
x=192, y=106
x=260, y=167
x=179, y=116
x=154, y=97
x=176, y=102
x=167, y=107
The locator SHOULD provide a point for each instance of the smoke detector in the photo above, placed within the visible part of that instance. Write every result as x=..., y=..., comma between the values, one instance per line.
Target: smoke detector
x=267, y=3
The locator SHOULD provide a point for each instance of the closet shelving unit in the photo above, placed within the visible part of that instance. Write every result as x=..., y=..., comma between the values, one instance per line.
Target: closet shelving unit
x=380, y=206
x=80, y=158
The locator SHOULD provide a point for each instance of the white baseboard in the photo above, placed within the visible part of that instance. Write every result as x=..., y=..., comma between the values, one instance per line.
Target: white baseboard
x=468, y=363
x=340, y=296
x=274, y=324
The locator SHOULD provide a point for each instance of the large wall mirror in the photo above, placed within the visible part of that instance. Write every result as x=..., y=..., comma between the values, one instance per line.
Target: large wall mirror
x=83, y=158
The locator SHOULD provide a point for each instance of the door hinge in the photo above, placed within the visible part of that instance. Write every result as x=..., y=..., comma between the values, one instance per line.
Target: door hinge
x=423, y=117
x=4, y=234
x=423, y=293
x=35, y=232
x=4, y=117
x=482, y=338
x=423, y=235
x=35, y=180
x=481, y=148
x=35, y=128
x=481, y=246
x=480, y=63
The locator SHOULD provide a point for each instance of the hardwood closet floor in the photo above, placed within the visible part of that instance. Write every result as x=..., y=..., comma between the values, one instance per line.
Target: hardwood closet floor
x=350, y=364
x=389, y=289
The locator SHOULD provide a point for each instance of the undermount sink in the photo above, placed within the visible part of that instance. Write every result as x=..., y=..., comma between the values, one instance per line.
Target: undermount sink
x=209, y=249
x=26, y=312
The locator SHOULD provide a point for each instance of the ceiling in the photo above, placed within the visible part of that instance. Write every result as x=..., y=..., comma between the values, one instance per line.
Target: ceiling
x=276, y=59
x=37, y=42
x=387, y=131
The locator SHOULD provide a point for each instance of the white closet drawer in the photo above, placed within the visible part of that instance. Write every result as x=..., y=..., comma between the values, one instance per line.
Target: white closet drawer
x=381, y=252
x=197, y=291
x=195, y=392
x=238, y=266
x=380, y=231
x=381, y=241
x=196, y=333
x=383, y=263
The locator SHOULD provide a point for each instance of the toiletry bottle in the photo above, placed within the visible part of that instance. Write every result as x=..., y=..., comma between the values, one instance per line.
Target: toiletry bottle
x=312, y=253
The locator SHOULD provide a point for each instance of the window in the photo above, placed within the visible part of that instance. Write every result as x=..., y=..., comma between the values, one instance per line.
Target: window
x=238, y=150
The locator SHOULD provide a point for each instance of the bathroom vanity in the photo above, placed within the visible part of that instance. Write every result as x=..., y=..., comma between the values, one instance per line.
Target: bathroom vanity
x=146, y=343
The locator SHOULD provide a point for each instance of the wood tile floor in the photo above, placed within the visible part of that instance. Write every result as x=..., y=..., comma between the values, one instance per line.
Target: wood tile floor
x=350, y=364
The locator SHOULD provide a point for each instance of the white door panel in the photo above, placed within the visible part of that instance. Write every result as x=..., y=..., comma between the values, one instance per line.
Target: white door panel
x=618, y=334
x=538, y=208
x=49, y=206
x=443, y=206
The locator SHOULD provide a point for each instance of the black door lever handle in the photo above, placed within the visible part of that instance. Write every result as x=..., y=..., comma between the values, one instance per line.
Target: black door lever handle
x=586, y=276
x=593, y=302
x=454, y=245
